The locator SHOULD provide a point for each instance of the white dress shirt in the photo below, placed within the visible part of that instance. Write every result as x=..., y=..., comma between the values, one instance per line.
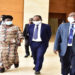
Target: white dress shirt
x=39, y=33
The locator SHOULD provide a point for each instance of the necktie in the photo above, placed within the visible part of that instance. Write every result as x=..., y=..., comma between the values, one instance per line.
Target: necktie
x=71, y=35
x=36, y=33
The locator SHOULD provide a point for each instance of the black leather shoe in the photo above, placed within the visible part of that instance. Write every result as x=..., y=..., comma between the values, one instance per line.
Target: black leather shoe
x=37, y=72
x=26, y=56
x=34, y=68
x=16, y=65
x=2, y=70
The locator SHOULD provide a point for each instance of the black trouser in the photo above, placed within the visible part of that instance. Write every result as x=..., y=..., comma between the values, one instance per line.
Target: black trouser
x=68, y=62
x=27, y=46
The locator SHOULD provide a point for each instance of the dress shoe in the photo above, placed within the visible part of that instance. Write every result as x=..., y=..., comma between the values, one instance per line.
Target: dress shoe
x=37, y=72
x=16, y=65
x=34, y=68
x=2, y=70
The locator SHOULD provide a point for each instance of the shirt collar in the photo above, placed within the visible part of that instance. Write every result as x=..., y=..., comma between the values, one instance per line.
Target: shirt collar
x=71, y=25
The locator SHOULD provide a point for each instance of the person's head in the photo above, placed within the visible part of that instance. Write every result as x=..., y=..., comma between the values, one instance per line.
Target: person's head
x=31, y=21
x=7, y=20
x=71, y=17
x=37, y=19
x=1, y=17
x=63, y=22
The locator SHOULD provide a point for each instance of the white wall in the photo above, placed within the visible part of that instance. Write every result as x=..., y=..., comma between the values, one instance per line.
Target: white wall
x=36, y=7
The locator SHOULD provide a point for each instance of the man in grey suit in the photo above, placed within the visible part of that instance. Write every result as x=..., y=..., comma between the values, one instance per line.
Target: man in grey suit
x=65, y=45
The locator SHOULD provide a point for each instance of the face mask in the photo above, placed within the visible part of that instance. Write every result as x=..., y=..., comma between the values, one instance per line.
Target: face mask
x=8, y=22
x=71, y=19
x=37, y=22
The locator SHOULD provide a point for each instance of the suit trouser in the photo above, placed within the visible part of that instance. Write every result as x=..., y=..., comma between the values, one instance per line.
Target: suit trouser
x=27, y=46
x=68, y=62
x=38, y=51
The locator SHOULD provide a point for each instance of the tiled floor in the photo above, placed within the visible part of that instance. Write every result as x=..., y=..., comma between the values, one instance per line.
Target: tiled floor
x=51, y=64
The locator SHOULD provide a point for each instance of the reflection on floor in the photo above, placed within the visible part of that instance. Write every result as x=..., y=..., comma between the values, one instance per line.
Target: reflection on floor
x=51, y=64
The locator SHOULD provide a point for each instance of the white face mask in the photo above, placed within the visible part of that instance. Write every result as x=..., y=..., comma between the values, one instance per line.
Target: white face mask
x=37, y=22
x=8, y=22
x=71, y=19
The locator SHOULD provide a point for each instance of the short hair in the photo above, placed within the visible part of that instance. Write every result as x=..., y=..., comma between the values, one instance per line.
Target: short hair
x=2, y=16
x=30, y=19
x=38, y=16
x=7, y=16
x=72, y=14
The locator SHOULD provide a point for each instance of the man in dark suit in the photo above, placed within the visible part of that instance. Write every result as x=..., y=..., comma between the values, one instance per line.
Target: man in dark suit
x=65, y=45
x=26, y=35
x=39, y=36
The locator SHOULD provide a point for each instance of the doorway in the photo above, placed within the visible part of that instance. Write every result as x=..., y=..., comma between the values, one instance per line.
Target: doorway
x=55, y=19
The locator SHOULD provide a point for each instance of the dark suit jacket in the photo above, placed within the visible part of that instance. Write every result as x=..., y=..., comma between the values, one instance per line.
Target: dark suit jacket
x=25, y=32
x=73, y=47
x=45, y=33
